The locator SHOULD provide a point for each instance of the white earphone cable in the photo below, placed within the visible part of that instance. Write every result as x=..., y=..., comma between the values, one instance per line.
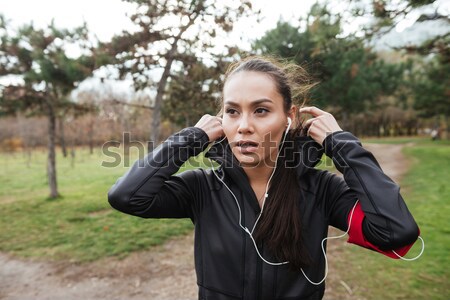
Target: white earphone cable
x=414, y=258
x=266, y=195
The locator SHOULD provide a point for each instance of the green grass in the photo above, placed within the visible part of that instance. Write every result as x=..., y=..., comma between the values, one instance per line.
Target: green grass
x=80, y=225
x=394, y=140
x=421, y=140
x=425, y=189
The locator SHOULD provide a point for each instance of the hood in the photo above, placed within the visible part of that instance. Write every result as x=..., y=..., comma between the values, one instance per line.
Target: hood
x=307, y=154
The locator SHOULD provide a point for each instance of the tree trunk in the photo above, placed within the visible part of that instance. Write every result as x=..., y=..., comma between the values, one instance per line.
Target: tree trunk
x=72, y=155
x=187, y=121
x=26, y=141
x=51, y=161
x=345, y=124
x=156, y=120
x=446, y=129
x=62, y=138
x=378, y=128
x=156, y=117
x=91, y=136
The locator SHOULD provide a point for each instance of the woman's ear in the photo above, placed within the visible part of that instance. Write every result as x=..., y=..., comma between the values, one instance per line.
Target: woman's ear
x=293, y=113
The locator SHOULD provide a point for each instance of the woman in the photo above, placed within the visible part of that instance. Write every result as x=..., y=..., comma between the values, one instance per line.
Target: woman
x=261, y=219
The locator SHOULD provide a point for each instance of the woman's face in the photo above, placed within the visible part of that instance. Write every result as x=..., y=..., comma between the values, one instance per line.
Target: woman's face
x=254, y=118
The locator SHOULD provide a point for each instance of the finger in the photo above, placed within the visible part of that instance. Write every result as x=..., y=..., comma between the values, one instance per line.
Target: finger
x=308, y=133
x=307, y=123
x=311, y=129
x=312, y=110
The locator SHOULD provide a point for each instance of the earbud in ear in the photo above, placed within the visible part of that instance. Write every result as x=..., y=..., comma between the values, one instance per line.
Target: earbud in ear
x=289, y=123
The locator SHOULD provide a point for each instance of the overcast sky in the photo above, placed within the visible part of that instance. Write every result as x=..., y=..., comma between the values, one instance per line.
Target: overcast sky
x=107, y=17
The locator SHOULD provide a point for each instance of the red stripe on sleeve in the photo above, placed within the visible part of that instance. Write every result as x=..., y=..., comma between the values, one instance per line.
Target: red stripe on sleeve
x=356, y=235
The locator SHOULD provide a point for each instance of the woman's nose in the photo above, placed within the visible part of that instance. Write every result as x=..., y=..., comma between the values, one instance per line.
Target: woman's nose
x=245, y=125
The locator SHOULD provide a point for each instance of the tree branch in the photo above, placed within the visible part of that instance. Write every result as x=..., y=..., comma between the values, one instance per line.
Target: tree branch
x=118, y=102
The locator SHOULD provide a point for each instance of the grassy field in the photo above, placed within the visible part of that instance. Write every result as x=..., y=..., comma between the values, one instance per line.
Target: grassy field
x=81, y=226
x=417, y=140
x=396, y=140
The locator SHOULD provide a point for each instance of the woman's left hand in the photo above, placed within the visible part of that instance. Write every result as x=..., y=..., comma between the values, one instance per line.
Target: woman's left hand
x=321, y=124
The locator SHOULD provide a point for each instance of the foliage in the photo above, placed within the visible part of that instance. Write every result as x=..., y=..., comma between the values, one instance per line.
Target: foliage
x=432, y=88
x=39, y=57
x=170, y=37
x=385, y=15
x=193, y=92
x=430, y=85
x=351, y=76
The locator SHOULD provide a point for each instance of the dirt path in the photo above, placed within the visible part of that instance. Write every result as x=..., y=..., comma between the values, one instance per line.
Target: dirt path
x=166, y=272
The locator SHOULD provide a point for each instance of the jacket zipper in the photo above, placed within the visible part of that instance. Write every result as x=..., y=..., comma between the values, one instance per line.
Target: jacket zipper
x=259, y=274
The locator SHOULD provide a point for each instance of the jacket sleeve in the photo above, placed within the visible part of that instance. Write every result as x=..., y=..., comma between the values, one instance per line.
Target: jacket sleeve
x=150, y=190
x=381, y=221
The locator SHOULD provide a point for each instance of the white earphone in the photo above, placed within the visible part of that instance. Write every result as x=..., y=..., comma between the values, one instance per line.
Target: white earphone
x=289, y=123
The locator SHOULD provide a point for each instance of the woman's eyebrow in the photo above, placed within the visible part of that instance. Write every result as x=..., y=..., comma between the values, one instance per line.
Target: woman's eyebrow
x=254, y=103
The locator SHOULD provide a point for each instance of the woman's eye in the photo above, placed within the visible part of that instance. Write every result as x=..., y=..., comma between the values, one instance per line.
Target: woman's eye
x=261, y=110
x=230, y=111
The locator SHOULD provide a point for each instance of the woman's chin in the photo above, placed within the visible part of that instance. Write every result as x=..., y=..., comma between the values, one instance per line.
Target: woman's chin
x=248, y=160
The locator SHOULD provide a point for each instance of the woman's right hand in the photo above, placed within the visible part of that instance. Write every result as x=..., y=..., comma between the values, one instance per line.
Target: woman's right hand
x=212, y=126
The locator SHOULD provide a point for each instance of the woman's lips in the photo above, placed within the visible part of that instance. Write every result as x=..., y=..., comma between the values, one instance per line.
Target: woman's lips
x=246, y=147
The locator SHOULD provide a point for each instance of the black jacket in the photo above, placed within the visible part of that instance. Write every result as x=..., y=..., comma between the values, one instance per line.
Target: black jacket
x=226, y=262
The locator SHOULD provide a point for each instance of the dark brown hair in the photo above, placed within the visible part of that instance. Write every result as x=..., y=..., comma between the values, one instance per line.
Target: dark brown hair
x=280, y=225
